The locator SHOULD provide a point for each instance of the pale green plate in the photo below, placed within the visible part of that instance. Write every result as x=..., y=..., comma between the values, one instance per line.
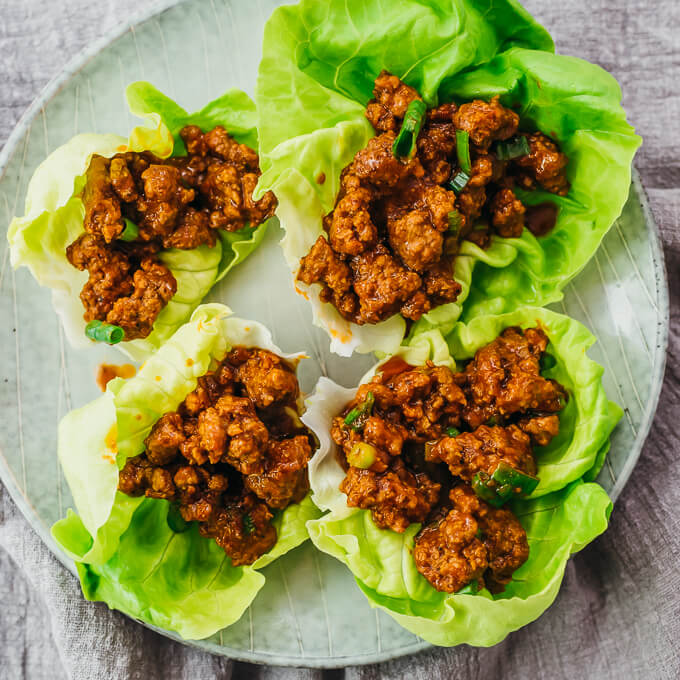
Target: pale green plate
x=310, y=613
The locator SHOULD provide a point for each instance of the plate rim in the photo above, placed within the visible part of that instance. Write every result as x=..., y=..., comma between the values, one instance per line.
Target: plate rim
x=21, y=128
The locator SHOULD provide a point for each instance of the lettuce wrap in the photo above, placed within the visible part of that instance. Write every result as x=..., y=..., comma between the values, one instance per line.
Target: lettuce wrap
x=320, y=59
x=54, y=212
x=562, y=515
x=127, y=550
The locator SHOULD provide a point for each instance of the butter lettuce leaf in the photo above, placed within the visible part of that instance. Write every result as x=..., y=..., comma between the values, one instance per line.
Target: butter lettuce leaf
x=54, y=212
x=126, y=553
x=561, y=516
x=319, y=61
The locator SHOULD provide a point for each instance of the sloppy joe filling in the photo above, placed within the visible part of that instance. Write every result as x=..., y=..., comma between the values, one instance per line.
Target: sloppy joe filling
x=137, y=205
x=401, y=216
x=447, y=449
x=233, y=454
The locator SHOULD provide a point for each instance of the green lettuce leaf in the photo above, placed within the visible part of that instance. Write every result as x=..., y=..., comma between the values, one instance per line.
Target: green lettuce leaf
x=319, y=61
x=54, y=213
x=561, y=516
x=557, y=526
x=126, y=553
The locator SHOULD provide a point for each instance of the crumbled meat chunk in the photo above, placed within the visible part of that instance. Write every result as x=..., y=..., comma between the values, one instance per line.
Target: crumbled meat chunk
x=545, y=164
x=507, y=214
x=162, y=445
x=376, y=165
x=486, y=122
x=352, y=230
x=396, y=498
x=102, y=206
x=154, y=285
x=284, y=479
x=392, y=98
x=382, y=284
x=483, y=449
x=415, y=240
x=122, y=181
x=193, y=230
x=242, y=529
x=267, y=378
x=541, y=429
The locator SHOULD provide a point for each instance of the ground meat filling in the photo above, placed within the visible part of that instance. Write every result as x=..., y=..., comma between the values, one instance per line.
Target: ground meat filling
x=416, y=442
x=397, y=225
x=231, y=455
x=178, y=202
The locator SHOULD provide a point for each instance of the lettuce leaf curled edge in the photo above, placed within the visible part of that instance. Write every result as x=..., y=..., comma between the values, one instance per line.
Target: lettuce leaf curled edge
x=562, y=515
x=125, y=552
x=54, y=212
x=320, y=58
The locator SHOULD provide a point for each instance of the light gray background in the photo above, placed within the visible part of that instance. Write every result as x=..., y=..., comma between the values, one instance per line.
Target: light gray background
x=618, y=614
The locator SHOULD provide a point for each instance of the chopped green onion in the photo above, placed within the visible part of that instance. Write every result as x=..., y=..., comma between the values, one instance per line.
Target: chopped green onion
x=491, y=422
x=355, y=418
x=131, y=231
x=463, y=150
x=248, y=524
x=513, y=148
x=104, y=332
x=483, y=487
x=457, y=184
x=547, y=362
x=507, y=476
x=470, y=589
x=428, y=449
x=405, y=144
x=455, y=222
x=505, y=483
x=452, y=432
x=175, y=520
x=362, y=455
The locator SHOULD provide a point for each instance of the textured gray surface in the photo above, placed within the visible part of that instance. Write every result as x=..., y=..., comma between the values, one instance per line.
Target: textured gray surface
x=618, y=614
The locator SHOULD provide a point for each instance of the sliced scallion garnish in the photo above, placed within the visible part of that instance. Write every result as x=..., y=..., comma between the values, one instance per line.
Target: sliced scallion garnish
x=104, y=332
x=248, y=524
x=507, y=476
x=356, y=417
x=131, y=231
x=452, y=432
x=463, y=150
x=505, y=483
x=405, y=144
x=362, y=455
x=455, y=222
x=513, y=148
x=457, y=184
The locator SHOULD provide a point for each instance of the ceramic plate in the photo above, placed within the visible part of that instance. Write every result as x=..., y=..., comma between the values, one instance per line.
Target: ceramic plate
x=310, y=613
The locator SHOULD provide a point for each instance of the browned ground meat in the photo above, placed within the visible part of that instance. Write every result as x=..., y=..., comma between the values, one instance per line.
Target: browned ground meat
x=396, y=498
x=179, y=202
x=504, y=378
x=474, y=541
x=232, y=453
x=398, y=223
x=413, y=438
x=545, y=164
